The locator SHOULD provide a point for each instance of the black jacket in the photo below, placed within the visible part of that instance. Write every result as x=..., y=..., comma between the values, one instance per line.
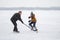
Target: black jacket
x=16, y=17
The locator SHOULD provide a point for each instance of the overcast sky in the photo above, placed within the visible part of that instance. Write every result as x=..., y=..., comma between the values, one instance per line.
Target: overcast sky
x=29, y=3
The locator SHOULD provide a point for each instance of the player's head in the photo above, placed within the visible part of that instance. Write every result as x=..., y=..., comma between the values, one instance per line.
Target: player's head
x=31, y=13
x=20, y=12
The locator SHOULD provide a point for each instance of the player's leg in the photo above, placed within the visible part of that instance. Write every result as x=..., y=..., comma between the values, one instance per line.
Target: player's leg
x=31, y=25
x=15, y=25
x=34, y=25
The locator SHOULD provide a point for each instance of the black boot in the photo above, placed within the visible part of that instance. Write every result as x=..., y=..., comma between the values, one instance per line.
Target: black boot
x=35, y=30
x=15, y=30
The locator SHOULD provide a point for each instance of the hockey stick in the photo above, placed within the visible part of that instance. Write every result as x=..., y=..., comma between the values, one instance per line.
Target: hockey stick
x=27, y=26
x=30, y=27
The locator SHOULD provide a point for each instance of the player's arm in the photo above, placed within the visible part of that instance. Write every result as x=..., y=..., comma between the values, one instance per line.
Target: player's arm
x=21, y=20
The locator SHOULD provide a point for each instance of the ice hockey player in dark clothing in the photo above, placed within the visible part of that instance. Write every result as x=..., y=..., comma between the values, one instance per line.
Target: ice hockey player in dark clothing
x=32, y=22
x=14, y=18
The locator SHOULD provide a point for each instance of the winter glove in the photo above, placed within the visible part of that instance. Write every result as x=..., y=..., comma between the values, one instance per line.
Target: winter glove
x=23, y=22
x=29, y=21
x=28, y=17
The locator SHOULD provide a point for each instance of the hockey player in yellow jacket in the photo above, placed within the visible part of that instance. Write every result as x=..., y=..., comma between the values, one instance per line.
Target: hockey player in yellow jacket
x=32, y=21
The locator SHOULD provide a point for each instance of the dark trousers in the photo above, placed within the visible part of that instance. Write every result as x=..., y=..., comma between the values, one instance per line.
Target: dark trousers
x=15, y=25
x=33, y=24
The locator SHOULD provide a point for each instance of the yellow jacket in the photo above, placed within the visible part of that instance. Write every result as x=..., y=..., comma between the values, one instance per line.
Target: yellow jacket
x=33, y=19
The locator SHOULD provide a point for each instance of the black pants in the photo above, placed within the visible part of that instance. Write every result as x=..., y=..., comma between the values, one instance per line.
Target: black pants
x=33, y=24
x=15, y=25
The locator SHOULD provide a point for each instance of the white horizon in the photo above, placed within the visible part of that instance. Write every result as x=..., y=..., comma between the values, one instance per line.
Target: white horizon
x=29, y=3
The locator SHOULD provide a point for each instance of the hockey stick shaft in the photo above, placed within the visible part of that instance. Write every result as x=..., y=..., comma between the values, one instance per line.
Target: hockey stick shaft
x=27, y=26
